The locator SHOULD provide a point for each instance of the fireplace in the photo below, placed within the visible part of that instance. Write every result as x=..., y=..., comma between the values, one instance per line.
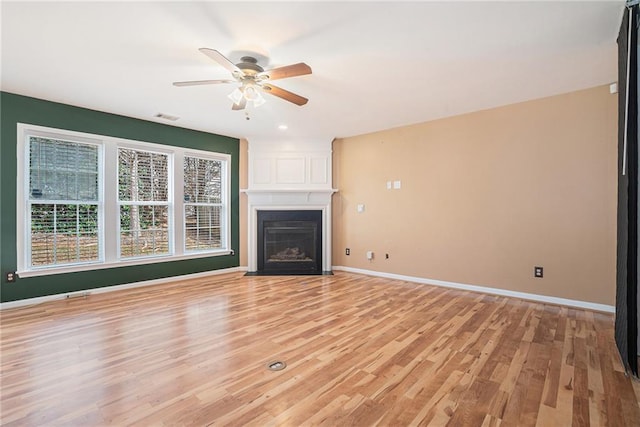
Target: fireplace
x=284, y=203
x=289, y=242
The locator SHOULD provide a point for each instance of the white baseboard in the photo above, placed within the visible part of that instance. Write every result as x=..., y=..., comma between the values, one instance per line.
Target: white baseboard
x=39, y=300
x=487, y=290
x=454, y=285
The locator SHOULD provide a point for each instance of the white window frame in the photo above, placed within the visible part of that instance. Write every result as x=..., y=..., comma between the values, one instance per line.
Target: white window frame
x=109, y=208
x=225, y=208
x=170, y=183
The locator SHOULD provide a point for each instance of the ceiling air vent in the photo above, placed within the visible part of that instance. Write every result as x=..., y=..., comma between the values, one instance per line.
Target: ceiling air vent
x=167, y=117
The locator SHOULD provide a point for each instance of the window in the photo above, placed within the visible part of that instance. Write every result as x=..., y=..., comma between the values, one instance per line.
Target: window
x=202, y=204
x=89, y=201
x=63, y=202
x=143, y=198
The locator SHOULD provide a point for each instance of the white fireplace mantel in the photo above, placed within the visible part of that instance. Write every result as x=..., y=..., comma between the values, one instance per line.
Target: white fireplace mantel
x=288, y=199
x=289, y=196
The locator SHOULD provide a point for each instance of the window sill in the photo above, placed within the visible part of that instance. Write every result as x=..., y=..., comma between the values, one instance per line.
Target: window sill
x=126, y=263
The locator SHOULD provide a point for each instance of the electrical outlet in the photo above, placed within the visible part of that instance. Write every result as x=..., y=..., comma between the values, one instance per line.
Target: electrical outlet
x=369, y=255
x=538, y=272
x=11, y=277
x=347, y=251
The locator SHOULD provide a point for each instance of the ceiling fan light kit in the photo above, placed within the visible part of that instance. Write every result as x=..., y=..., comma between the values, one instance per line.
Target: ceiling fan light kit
x=236, y=96
x=253, y=80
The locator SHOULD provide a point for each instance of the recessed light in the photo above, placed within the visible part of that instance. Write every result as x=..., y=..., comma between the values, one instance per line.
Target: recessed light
x=283, y=127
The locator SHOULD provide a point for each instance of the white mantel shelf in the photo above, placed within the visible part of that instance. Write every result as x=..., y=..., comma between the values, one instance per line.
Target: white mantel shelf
x=289, y=190
x=295, y=196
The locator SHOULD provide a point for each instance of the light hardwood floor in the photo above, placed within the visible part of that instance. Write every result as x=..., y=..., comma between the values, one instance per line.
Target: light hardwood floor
x=359, y=351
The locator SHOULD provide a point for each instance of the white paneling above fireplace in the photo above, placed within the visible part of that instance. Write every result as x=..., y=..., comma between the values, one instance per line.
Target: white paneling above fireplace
x=289, y=166
x=319, y=171
x=290, y=171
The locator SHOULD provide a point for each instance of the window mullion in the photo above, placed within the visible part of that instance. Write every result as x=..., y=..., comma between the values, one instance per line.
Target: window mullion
x=55, y=233
x=78, y=228
x=111, y=210
x=178, y=203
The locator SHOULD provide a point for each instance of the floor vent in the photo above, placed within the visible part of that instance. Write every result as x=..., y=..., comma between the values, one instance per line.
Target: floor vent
x=276, y=366
x=77, y=295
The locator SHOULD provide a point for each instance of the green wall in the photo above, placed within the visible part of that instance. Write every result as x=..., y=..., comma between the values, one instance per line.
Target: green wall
x=20, y=109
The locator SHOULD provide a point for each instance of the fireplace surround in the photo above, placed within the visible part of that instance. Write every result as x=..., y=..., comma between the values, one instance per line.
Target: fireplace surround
x=291, y=202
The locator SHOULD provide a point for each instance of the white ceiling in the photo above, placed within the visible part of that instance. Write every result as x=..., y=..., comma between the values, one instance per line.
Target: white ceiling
x=376, y=65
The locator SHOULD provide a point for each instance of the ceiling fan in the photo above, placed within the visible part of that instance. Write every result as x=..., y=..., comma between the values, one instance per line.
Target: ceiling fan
x=253, y=80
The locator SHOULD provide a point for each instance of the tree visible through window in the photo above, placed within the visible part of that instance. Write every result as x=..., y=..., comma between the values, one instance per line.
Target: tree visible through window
x=143, y=195
x=63, y=202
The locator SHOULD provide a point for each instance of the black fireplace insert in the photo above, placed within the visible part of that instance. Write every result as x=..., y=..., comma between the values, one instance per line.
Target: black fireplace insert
x=289, y=242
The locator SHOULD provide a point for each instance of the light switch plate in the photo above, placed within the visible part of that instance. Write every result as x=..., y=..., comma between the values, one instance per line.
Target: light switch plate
x=397, y=184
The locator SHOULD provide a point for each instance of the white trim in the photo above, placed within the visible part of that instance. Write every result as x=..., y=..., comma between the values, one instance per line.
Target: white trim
x=127, y=262
x=86, y=292
x=23, y=205
x=487, y=290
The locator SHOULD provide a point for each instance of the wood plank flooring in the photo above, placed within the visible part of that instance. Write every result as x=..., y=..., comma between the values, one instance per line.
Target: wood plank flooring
x=359, y=351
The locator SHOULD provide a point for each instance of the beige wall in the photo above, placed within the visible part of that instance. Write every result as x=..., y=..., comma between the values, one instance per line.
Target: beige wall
x=244, y=180
x=487, y=196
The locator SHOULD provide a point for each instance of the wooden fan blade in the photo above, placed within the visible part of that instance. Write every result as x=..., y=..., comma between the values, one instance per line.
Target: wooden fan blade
x=240, y=105
x=284, y=94
x=202, y=82
x=221, y=59
x=294, y=70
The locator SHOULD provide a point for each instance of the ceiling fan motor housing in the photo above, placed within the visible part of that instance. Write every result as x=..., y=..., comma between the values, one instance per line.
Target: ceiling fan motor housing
x=249, y=65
